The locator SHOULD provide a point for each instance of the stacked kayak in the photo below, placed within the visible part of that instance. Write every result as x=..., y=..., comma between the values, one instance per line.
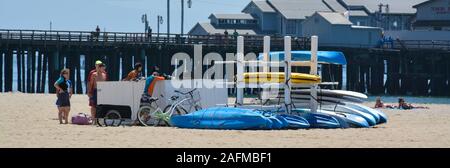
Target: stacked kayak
x=237, y=119
x=278, y=77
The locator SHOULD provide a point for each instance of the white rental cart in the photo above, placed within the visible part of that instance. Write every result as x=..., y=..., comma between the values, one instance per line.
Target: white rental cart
x=121, y=99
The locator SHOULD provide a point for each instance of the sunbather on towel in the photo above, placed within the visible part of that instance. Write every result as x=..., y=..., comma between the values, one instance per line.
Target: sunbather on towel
x=380, y=104
x=406, y=106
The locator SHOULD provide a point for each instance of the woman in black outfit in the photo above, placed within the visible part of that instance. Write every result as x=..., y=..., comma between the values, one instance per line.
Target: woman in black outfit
x=63, y=92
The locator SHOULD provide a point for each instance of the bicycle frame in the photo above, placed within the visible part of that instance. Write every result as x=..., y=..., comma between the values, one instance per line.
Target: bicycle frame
x=175, y=105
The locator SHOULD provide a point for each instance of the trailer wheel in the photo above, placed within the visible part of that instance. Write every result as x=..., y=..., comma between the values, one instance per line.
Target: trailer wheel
x=112, y=118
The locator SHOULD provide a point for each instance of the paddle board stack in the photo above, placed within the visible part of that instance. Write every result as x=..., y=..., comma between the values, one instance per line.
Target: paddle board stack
x=340, y=104
x=278, y=77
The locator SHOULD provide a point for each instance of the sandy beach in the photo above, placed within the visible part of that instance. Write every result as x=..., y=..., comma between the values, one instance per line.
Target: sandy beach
x=30, y=120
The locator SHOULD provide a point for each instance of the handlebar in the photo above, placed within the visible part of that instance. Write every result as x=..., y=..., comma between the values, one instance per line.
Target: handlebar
x=185, y=93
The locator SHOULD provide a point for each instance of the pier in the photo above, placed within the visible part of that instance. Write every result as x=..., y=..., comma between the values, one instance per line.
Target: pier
x=420, y=68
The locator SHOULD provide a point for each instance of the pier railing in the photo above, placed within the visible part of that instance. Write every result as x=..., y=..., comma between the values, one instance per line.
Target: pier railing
x=423, y=44
x=139, y=38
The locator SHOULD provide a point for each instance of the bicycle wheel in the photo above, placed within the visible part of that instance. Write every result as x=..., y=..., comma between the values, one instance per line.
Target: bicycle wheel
x=177, y=111
x=147, y=116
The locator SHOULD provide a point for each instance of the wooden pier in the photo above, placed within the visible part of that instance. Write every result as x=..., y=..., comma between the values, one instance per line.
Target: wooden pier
x=420, y=68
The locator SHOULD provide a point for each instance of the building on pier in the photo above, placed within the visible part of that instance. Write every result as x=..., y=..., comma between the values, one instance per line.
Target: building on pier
x=285, y=17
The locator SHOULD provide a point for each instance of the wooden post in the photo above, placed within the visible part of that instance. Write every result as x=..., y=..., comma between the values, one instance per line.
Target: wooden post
x=33, y=70
x=23, y=71
x=29, y=58
x=126, y=64
x=52, y=70
x=1, y=70
x=114, y=64
x=70, y=64
x=19, y=69
x=142, y=59
x=88, y=66
x=44, y=70
x=77, y=65
x=39, y=72
x=447, y=65
x=8, y=70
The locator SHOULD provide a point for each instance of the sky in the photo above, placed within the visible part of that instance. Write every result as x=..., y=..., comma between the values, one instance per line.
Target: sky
x=110, y=15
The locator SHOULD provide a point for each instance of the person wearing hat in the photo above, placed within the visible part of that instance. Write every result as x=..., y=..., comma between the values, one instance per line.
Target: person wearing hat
x=95, y=75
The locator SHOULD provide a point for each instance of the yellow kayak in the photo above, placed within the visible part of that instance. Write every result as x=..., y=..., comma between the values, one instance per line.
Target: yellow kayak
x=278, y=77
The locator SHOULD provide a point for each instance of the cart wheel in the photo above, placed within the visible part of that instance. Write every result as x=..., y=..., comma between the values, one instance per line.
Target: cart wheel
x=112, y=118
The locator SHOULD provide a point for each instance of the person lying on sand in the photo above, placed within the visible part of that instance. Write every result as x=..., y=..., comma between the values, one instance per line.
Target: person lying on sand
x=406, y=106
x=380, y=104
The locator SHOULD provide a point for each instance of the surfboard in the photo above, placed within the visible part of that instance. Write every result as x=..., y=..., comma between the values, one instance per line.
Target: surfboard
x=345, y=109
x=354, y=121
x=319, y=97
x=379, y=116
x=332, y=93
x=280, y=75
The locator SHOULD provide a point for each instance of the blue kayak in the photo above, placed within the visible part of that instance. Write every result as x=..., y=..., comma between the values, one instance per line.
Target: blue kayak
x=235, y=119
x=327, y=57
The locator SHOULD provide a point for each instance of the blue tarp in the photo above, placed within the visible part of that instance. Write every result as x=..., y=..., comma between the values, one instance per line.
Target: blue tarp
x=237, y=119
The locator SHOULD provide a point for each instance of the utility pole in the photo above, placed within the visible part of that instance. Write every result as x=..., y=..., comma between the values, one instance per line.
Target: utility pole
x=160, y=21
x=145, y=21
x=189, y=3
x=168, y=19
x=182, y=17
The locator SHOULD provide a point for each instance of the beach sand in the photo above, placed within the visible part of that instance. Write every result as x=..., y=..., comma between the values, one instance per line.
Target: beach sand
x=30, y=120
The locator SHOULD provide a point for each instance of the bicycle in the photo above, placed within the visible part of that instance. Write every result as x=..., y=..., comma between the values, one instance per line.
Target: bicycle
x=179, y=105
x=149, y=114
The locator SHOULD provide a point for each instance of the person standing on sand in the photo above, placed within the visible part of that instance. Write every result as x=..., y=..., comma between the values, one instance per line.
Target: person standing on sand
x=64, y=93
x=97, y=76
